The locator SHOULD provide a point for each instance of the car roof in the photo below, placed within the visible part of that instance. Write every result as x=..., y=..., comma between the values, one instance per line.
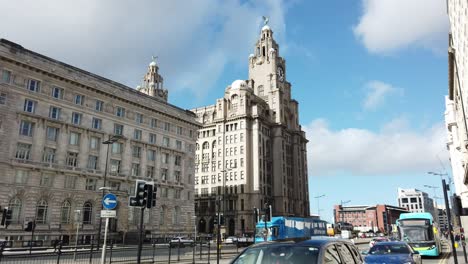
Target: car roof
x=389, y=243
x=307, y=243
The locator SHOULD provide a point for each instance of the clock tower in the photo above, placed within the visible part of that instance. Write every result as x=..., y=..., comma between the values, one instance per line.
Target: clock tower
x=267, y=69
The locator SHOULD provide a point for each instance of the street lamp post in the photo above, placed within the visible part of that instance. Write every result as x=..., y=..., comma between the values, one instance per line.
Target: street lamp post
x=318, y=203
x=111, y=140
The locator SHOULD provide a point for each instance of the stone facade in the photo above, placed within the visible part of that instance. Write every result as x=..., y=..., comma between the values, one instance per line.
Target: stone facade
x=54, y=120
x=457, y=101
x=252, y=144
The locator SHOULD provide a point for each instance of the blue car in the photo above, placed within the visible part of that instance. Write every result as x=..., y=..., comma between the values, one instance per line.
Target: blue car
x=395, y=252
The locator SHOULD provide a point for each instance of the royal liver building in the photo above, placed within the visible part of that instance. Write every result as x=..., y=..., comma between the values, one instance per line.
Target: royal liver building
x=251, y=151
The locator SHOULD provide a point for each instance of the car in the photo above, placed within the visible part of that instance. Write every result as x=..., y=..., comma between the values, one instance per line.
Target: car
x=181, y=241
x=230, y=240
x=392, y=252
x=314, y=251
x=377, y=240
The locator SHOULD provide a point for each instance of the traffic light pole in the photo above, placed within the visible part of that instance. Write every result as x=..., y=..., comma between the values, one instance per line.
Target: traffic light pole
x=140, y=237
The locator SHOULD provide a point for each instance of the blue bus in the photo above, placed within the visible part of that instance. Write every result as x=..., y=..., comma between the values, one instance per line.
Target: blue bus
x=281, y=227
x=420, y=231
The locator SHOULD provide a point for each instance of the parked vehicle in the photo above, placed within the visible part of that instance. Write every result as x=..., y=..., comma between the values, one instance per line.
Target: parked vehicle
x=392, y=252
x=314, y=251
x=245, y=240
x=230, y=240
x=377, y=240
x=182, y=241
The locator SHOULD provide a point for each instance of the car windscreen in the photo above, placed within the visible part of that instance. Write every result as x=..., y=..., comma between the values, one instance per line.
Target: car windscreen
x=379, y=249
x=279, y=254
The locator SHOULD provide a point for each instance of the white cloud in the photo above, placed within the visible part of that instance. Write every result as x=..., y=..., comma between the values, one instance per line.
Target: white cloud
x=395, y=149
x=194, y=40
x=376, y=93
x=389, y=25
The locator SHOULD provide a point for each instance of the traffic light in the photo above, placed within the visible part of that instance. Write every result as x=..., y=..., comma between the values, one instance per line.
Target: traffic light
x=6, y=217
x=150, y=195
x=139, y=198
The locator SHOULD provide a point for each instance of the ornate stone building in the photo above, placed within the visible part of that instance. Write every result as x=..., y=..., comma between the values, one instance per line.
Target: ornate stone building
x=252, y=144
x=53, y=123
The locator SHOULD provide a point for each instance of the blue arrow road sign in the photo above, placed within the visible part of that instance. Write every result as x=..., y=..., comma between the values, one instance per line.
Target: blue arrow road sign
x=109, y=201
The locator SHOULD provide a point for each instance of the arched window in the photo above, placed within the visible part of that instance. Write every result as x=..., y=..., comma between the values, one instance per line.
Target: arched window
x=213, y=145
x=87, y=213
x=15, y=206
x=65, y=212
x=206, y=145
x=162, y=216
x=41, y=212
x=176, y=216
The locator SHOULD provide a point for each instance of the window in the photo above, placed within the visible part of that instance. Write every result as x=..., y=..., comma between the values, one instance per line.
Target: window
x=154, y=123
x=15, y=206
x=54, y=112
x=76, y=118
x=99, y=105
x=177, y=176
x=96, y=123
x=136, y=151
x=87, y=213
x=179, y=144
x=162, y=215
x=92, y=162
x=79, y=99
x=179, y=130
x=94, y=143
x=117, y=148
x=150, y=171
x=114, y=166
x=49, y=155
x=114, y=185
x=52, y=133
x=3, y=97
x=91, y=184
x=177, y=194
x=70, y=182
x=345, y=253
x=46, y=180
x=21, y=176
x=139, y=118
x=6, y=76
x=137, y=134
x=41, y=212
x=204, y=179
x=178, y=160
x=29, y=106
x=26, y=128
x=331, y=255
x=72, y=159
x=57, y=92
x=151, y=155
x=164, y=174
x=152, y=138
x=164, y=192
x=135, y=169
x=34, y=85
x=164, y=158
x=74, y=138
x=166, y=141
x=23, y=151
x=120, y=111
x=118, y=129
x=167, y=126
x=176, y=217
x=65, y=212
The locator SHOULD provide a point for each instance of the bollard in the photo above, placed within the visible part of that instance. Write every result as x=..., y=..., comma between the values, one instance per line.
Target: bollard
x=91, y=253
x=59, y=252
x=154, y=249
x=178, y=251
x=111, y=249
x=170, y=249
x=2, y=247
x=209, y=247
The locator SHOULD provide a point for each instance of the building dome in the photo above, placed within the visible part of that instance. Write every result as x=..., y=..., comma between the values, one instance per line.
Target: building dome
x=237, y=84
x=153, y=63
x=266, y=27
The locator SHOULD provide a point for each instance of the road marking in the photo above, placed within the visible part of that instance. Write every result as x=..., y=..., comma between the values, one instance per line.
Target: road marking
x=444, y=258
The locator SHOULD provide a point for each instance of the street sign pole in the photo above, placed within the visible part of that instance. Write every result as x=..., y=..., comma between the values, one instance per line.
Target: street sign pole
x=140, y=242
x=104, y=244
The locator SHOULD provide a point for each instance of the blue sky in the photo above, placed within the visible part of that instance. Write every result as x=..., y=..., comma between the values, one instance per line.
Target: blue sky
x=370, y=76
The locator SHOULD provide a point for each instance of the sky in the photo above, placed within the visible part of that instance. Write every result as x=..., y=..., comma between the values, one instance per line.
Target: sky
x=370, y=76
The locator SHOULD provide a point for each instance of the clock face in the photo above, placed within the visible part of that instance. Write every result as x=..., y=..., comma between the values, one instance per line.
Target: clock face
x=280, y=73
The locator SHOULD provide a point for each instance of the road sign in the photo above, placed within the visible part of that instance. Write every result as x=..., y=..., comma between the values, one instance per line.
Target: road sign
x=108, y=214
x=109, y=201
